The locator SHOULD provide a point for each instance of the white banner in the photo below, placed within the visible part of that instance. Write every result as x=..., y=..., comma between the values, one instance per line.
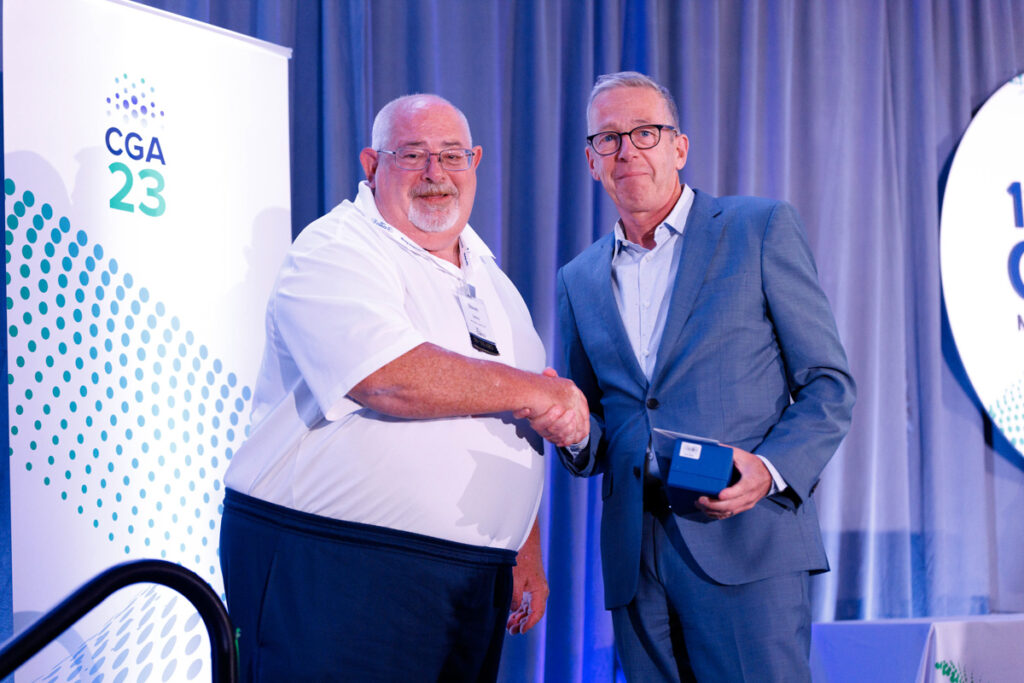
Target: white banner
x=147, y=210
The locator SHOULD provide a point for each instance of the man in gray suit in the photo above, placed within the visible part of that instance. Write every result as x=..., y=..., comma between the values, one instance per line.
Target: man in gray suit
x=701, y=315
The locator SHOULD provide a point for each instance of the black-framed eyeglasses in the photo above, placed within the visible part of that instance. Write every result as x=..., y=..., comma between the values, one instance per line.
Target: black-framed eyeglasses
x=417, y=158
x=643, y=137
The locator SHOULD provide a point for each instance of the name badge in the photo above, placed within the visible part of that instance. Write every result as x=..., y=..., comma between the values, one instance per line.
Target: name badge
x=477, y=322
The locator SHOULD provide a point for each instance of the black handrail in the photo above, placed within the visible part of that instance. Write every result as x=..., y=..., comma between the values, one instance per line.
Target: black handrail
x=20, y=648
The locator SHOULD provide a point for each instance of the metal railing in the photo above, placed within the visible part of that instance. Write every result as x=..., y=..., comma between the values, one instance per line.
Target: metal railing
x=20, y=648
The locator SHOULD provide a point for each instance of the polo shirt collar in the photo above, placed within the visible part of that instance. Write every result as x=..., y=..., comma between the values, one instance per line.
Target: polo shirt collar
x=470, y=241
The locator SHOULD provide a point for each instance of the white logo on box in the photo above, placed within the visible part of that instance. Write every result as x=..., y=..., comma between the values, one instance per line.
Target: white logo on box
x=690, y=450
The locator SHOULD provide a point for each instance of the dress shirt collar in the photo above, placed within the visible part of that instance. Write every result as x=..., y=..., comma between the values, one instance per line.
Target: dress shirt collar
x=675, y=221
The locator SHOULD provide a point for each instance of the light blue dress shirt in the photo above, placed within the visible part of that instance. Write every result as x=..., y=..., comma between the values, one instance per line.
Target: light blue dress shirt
x=642, y=281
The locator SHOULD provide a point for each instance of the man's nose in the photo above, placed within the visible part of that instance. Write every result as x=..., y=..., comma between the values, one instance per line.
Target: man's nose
x=623, y=152
x=434, y=169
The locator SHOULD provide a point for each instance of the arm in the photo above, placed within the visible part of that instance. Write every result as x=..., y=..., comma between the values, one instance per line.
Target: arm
x=589, y=460
x=530, y=586
x=821, y=388
x=340, y=310
x=429, y=381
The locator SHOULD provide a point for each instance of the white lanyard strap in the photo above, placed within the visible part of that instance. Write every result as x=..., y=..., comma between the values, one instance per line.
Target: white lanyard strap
x=416, y=250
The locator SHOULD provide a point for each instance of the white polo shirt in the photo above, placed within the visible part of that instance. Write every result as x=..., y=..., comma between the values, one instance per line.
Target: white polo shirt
x=352, y=295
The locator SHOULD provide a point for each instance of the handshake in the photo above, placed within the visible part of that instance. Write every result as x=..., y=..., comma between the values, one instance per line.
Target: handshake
x=557, y=410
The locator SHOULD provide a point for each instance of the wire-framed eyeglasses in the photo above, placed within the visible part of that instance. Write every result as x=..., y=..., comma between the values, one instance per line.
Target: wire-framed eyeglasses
x=643, y=137
x=417, y=158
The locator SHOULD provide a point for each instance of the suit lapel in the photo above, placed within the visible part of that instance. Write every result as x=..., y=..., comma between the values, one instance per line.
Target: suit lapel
x=597, y=291
x=700, y=238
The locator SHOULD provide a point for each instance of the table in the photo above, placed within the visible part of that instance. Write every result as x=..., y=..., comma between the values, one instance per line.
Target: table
x=970, y=649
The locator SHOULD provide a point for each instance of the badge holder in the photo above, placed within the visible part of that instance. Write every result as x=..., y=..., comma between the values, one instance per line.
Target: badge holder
x=477, y=322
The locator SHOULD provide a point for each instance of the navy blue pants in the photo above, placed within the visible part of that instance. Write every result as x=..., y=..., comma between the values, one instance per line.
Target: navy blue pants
x=317, y=599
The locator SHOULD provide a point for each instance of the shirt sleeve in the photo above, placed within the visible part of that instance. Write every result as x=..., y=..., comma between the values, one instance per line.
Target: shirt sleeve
x=778, y=483
x=339, y=311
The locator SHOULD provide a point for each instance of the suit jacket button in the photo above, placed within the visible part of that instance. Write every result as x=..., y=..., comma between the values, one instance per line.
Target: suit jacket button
x=652, y=403
x=636, y=471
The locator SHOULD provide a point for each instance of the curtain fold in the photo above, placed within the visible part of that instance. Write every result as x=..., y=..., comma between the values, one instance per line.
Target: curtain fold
x=850, y=110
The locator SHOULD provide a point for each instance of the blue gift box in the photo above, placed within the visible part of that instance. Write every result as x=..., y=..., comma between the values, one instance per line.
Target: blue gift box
x=700, y=466
x=696, y=466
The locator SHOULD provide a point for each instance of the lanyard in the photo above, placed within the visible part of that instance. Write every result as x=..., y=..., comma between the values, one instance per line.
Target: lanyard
x=416, y=250
x=473, y=309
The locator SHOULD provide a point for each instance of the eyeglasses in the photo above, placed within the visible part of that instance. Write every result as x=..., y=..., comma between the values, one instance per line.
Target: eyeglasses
x=417, y=159
x=643, y=137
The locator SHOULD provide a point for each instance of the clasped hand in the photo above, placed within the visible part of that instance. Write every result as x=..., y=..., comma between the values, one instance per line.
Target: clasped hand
x=560, y=414
x=754, y=483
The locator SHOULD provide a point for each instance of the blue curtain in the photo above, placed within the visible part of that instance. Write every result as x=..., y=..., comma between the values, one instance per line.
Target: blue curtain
x=850, y=110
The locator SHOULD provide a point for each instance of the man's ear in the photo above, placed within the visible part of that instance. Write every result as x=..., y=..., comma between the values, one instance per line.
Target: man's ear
x=682, y=150
x=369, y=159
x=592, y=160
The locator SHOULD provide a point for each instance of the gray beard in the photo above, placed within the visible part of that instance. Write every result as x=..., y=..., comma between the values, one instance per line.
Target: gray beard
x=433, y=220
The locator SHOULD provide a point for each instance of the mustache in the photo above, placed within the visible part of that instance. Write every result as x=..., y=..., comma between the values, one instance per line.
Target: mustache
x=434, y=189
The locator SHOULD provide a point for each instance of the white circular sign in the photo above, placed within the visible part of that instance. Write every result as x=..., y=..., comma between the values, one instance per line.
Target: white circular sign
x=982, y=256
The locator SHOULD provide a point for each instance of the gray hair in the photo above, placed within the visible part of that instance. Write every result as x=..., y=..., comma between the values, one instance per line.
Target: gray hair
x=383, y=123
x=632, y=79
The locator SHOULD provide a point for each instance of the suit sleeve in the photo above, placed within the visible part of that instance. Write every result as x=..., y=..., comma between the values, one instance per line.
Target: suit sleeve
x=589, y=460
x=821, y=387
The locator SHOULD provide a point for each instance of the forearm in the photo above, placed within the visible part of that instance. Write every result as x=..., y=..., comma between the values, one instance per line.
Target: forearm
x=584, y=462
x=530, y=586
x=431, y=382
x=530, y=552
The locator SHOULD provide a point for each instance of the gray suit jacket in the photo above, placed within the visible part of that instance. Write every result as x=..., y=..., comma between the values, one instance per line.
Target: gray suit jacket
x=750, y=356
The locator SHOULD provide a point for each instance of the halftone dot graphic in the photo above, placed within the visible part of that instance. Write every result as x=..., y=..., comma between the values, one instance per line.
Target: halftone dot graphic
x=158, y=635
x=110, y=375
x=1008, y=414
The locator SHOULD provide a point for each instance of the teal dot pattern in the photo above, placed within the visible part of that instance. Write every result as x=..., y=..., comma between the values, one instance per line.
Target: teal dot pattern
x=1008, y=414
x=117, y=410
x=157, y=637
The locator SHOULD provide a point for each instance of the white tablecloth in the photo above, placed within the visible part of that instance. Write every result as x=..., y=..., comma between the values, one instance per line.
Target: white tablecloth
x=971, y=649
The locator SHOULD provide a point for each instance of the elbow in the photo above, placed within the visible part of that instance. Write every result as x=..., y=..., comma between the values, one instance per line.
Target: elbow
x=383, y=399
